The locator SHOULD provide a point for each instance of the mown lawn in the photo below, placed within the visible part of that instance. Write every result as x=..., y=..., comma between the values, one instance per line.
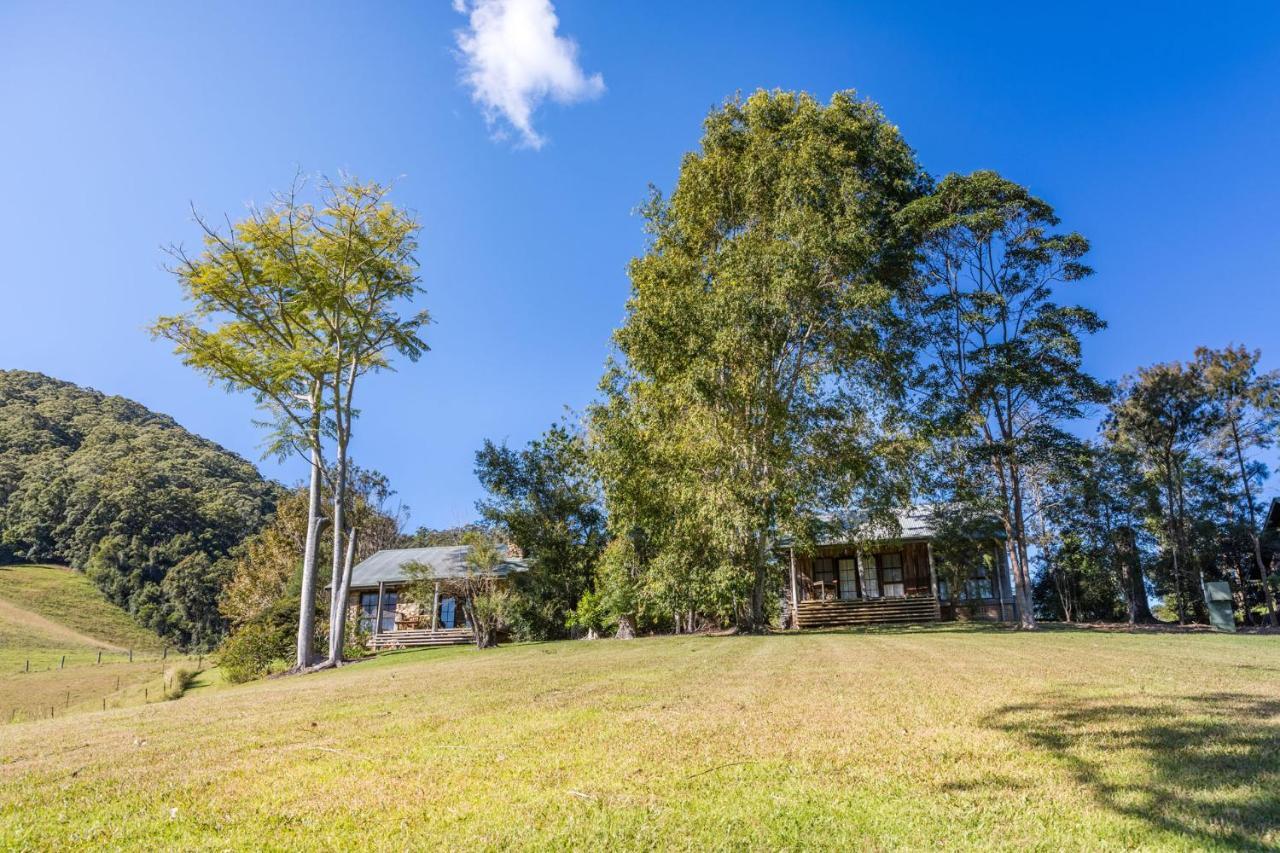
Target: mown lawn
x=949, y=737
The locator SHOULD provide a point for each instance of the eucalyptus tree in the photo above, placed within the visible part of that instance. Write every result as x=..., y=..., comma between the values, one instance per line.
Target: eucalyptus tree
x=253, y=326
x=1101, y=502
x=756, y=351
x=1002, y=357
x=364, y=248
x=1161, y=415
x=1246, y=416
x=295, y=304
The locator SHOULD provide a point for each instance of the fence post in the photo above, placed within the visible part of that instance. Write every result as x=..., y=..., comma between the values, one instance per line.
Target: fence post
x=146, y=695
x=99, y=656
x=130, y=655
x=117, y=684
x=164, y=655
x=62, y=662
x=28, y=664
x=68, y=702
x=104, y=703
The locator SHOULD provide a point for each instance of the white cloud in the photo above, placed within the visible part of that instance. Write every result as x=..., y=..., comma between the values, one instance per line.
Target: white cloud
x=513, y=60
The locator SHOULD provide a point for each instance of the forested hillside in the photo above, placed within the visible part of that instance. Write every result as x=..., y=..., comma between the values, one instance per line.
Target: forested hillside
x=146, y=508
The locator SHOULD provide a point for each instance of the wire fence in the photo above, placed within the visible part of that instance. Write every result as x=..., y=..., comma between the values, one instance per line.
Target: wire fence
x=44, y=685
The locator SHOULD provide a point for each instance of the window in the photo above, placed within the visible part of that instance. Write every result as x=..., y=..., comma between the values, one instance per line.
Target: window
x=979, y=584
x=824, y=570
x=368, y=607
x=944, y=591
x=891, y=575
x=369, y=611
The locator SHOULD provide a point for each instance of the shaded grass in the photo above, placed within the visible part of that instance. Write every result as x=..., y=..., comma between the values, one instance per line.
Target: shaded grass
x=954, y=737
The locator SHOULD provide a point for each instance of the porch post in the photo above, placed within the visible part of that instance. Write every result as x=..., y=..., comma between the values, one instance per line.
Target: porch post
x=933, y=580
x=795, y=592
x=377, y=616
x=1003, y=568
x=435, y=607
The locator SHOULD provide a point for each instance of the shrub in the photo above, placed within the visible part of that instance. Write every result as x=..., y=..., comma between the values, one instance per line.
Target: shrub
x=248, y=653
x=176, y=681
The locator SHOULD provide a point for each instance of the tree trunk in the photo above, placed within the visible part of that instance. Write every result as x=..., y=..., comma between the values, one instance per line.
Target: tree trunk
x=1262, y=575
x=626, y=628
x=337, y=613
x=344, y=590
x=307, y=607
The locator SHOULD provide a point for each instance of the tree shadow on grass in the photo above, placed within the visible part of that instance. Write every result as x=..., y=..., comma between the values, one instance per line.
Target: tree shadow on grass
x=1205, y=767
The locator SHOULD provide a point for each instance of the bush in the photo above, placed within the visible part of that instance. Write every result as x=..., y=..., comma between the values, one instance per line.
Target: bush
x=249, y=652
x=176, y=681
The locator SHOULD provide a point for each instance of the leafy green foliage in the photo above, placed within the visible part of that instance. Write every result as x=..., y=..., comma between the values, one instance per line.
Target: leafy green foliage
x=147, y=509
x=757, y=357
x=546, y=499
x=1002, y=357
x=249, y=652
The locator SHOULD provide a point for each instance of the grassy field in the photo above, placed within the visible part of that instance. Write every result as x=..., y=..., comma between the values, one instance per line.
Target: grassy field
x=64, y=649
x=951, y=737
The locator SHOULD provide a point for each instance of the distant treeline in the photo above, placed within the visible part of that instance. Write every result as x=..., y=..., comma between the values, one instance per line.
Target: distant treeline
x=149, y=510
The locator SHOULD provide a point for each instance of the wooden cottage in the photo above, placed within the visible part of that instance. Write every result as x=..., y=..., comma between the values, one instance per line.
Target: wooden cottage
x=382, y=612
x=893, y=581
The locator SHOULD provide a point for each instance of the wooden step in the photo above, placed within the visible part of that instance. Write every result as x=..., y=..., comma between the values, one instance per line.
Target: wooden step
x=421, y=638
x=885, y=611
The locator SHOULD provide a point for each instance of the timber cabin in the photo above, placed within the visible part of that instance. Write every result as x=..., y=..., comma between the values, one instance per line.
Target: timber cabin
x=390, y=621
x=892, y=581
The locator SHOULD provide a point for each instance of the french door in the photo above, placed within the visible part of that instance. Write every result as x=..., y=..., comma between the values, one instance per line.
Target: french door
x=848, y=577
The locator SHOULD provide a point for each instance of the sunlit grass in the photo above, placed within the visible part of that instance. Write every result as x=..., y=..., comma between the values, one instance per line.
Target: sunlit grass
x=958, y=737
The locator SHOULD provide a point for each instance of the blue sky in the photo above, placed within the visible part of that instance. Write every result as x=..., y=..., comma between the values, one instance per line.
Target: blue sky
x=1153, y=128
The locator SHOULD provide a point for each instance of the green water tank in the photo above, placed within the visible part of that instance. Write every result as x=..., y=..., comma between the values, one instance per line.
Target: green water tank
x=1218, y=598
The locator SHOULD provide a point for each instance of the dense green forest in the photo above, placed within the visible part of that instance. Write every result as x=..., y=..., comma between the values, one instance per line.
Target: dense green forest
x=149, y=510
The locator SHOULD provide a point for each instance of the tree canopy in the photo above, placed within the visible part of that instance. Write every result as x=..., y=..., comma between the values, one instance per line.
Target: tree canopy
x=147, y=508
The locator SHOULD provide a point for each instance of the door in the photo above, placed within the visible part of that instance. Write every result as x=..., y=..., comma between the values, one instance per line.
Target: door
x=448, y=612
x=891, y=580
x=848, y=577
x=870, y=580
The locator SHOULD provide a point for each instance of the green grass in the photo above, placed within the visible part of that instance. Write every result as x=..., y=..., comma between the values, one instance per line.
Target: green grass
x=955, y=737
x=64, y=649
x=70, y=599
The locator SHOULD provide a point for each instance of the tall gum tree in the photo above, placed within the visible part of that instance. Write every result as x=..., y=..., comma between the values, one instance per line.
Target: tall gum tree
x=756, y=356
x=1002, y=358
x=364, y=247
x=1246, y=417
x=253, y=326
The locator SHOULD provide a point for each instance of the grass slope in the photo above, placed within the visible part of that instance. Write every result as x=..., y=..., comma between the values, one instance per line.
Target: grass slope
x=954, y=737
x=64, y=648
x=69, y=598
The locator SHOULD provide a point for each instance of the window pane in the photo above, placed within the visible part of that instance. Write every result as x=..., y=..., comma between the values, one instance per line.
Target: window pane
x=894, y=590
x=848, y=577
x=389, y=611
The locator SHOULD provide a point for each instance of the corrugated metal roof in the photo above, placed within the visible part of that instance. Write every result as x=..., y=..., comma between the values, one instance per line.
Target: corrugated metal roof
x=914, y=522
x=446, y=562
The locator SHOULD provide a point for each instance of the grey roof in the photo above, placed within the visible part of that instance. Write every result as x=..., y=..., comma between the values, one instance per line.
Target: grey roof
x=844, y=528
x=446, y=562
x=914, y=522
